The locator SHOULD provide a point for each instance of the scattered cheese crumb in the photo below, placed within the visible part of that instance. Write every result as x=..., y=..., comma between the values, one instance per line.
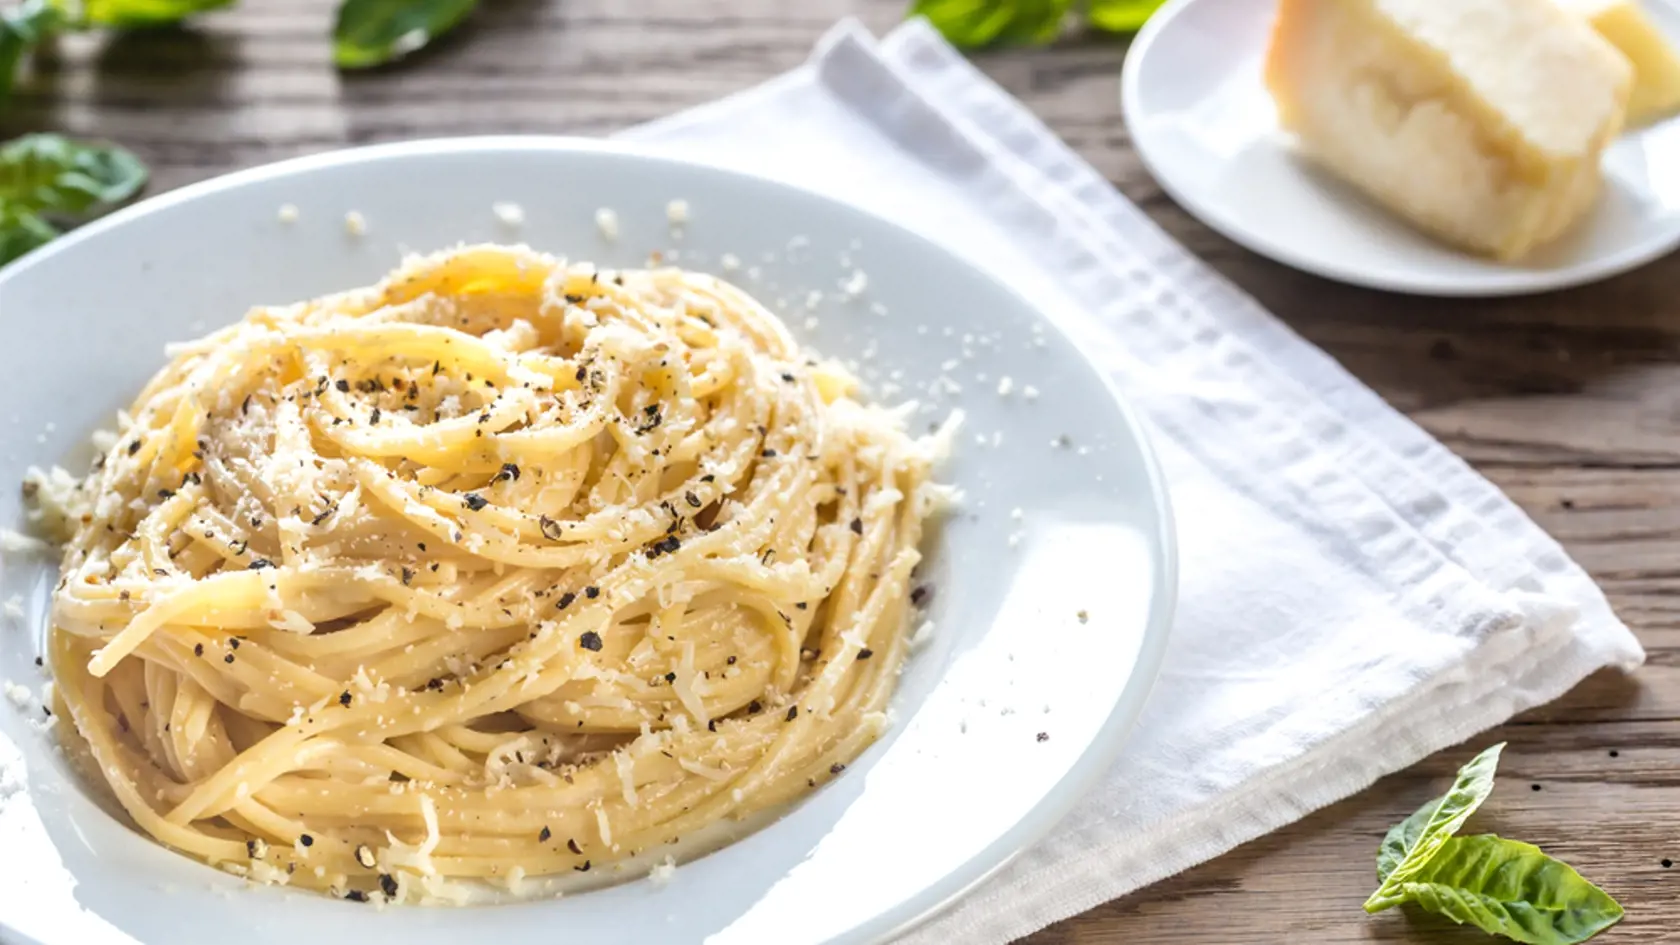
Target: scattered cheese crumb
x=730, y=262
x=663, y=871
x=814, y=299
x=1016, y=514
x=511, y=214
x=354, y=223
x=606, y=220
x=1014, y=539
x=18, y=694
x=14, y=607
x=854, y=286
x=1005, y=386
x=1083, y=616
x=677, y=212
x=811, y=323
x=1029, y=392
x=288, y=213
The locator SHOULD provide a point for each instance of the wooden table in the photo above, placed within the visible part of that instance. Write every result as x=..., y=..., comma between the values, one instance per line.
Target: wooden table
x=1570, y=402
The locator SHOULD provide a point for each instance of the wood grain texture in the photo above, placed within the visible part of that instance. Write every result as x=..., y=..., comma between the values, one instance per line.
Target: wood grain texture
x=1570, y=402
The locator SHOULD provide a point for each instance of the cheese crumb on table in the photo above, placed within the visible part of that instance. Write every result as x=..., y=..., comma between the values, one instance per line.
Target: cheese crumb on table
x=18, y=694
x=288, y=213
x=677, y=212
x=354, y=223
x=511, y=214
x=14, y=607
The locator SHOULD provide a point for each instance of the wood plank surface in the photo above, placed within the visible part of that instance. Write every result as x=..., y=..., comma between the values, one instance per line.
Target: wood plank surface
x=1570, y=402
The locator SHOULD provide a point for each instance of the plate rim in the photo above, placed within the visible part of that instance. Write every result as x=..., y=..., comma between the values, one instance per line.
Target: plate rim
x=1111, y=737
x=1514, y=283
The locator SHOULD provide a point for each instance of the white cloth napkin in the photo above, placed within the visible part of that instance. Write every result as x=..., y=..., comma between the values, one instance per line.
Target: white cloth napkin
x=1353, y=597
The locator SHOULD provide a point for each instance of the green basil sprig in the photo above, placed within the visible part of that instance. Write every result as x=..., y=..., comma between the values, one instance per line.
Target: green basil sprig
x=1502, y=887
x=374, y=32
x=133, y=14
x=46, y=180
x=22, y=28
x=974, y=23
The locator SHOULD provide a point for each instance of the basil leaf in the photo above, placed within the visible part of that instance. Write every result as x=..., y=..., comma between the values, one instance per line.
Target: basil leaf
x=126, y=14
x=973, y=23
x=22, y=231
x=1508, y=888
x=374, y=32
x=1402, y=838
x=22, y=28
x=51, y=175
x=1121, y=16
x=1474, y=784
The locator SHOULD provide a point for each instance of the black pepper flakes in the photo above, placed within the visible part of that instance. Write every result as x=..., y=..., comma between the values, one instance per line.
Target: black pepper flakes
x=228, y=658
x=543, y=836
x=258, y=564
x=754, y=707
x=407, y=576
x=670, y=677
x=343, y=386
x=374, y=417
x=233, y=642
x=919, y=594
x=356, y=895
x=792, y=712
x=388, y=884
x=590, y=640
x=857, y=526
x=306, y=840
x=549, y=528
x=768, y=454
x=566, y=600
x=836, y=768
x=134, y=447
x=434, y=684
x=592, y=592
x=364, y=856
x=198, y=649
x=865, y=653
x=730, y=661
x=572, y=845
x=344, y=700
x=711, y=725
x=692, y=500
x=1043, y=736
x=475, y=501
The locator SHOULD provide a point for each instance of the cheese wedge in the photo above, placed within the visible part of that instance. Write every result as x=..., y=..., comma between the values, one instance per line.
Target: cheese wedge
x=1480, y=121
x=1656, y=65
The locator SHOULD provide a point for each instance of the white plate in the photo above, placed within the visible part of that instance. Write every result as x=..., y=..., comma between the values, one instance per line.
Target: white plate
x=1200, y=118
x=962, y=781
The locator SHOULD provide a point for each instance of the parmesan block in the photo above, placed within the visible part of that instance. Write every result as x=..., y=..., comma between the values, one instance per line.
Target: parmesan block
x=1479, y=121
x=1656, y=66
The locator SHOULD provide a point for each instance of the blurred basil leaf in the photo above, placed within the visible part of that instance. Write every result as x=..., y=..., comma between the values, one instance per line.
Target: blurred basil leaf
x=974, y=23
x=45, y=178
x=22, y=28
x=1121, y=16
x=374, y=32
x=125, y=14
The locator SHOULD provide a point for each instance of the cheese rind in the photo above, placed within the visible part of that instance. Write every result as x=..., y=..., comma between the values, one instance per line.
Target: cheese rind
x=1656, y=64
x=1480, y=121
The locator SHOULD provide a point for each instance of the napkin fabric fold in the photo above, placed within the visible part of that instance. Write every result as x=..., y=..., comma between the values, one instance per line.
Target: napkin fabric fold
x=1353, y=596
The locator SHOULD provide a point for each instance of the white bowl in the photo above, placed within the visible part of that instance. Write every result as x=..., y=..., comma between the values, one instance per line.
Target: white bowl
x=961, y=783
x=1205, y=127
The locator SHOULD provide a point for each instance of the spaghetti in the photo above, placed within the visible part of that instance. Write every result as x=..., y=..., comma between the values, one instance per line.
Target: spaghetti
x=503, y=567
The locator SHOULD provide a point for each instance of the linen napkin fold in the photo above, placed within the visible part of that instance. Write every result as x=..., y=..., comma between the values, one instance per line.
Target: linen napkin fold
x=1353, y=596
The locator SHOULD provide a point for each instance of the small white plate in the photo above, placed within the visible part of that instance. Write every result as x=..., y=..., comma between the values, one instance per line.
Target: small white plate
x=960, y=784
x=1201, y=119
